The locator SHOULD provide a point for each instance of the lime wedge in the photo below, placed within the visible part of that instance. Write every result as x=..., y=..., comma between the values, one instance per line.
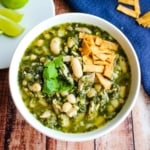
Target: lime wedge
x=11, y=14
x=14, y=4
x=9, y=27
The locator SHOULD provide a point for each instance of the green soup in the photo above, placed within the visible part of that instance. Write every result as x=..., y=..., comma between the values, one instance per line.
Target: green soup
x=55, y=94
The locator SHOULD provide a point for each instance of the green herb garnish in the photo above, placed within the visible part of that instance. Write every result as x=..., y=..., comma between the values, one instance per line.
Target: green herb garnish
x=53, y=81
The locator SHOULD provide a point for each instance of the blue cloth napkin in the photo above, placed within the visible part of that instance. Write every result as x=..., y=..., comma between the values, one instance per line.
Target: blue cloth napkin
x=139, y=36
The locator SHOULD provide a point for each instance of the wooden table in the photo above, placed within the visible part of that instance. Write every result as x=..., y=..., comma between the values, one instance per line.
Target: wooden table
x=17, y=134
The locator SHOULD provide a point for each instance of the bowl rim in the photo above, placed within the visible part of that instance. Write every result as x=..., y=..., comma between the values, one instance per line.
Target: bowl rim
x=15, y=92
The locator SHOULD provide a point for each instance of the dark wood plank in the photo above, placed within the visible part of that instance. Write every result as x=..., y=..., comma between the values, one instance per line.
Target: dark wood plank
x=4, y=95
x=61, y=7
x=24, y=137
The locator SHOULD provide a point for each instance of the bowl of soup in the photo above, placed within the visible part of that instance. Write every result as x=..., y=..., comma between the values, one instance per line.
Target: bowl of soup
x=74, y=77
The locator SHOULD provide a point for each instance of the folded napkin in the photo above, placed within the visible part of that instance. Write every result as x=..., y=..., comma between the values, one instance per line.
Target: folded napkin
x=139, y=36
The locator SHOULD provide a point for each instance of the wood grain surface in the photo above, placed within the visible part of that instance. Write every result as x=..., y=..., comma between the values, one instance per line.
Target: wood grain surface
x=17, y=134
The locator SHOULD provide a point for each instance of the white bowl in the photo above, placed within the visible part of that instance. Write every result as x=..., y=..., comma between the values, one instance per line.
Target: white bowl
x=82, y=18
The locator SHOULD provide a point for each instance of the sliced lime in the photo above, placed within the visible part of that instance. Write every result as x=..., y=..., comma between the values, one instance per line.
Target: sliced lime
x=11, y=14
x=10, y=27
x=14, y=4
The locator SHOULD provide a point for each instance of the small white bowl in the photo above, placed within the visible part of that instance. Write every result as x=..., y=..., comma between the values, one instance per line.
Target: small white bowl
x=82, y=18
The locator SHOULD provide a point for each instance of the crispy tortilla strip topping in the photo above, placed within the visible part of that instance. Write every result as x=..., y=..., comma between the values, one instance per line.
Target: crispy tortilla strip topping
x=137, y=7
x=93, y=68
x=135, y=12
x=97, y=51
x=144, y=20
x=87, y=60
x=112, y=58
x=101, y=56
x=81, y=35
x=108, y=71
x=85, y=50
x=105, y=82
x=98, y=41
x=108, y=45
x=99, y=62
x=127, y=11
x=127, y=2
x=98, y=56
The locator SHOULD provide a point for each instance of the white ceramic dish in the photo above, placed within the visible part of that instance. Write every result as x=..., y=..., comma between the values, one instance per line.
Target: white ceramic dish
x=83, y=18
x=33, y=14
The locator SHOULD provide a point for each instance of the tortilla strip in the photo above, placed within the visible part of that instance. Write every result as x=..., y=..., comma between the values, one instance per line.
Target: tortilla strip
x=108, y=45
x=106, y=51
x=146, y=25
x=141, y=20
x=144, y=20
x=145, y=17
x=103, y=57
x=85, y=50
x=98, y=41
x=94, y=57
x=87, y=60
x=81, y=35
x=112, y=58
x=89, y=39
x=127, y=2
x=137, y=7
x=93, y=68
x=97, y=51
x=104, y=82
x=100, y=62
x=127, y=11
x=108, y=71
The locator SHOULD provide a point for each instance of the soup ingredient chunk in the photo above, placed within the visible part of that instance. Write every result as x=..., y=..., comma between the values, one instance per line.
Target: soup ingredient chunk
x=76, y=67
x=55, y=45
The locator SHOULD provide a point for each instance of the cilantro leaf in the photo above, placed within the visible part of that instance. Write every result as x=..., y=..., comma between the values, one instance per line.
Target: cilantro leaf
x=50, y=71
x=58, y=61
x=53, y=81
x=50, y=86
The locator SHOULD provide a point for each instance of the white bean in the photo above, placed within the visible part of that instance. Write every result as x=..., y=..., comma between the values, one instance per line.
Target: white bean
x=33, y=57
x=66, y=58
x=36, y=87
x=76, y=67
x=72, y=112
x=24, y=82
x=66, y=107
x=71, y=98
x=64, y=93
x=40, y=42
x=71, y=42
x=55, y=45
x=46, y=114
